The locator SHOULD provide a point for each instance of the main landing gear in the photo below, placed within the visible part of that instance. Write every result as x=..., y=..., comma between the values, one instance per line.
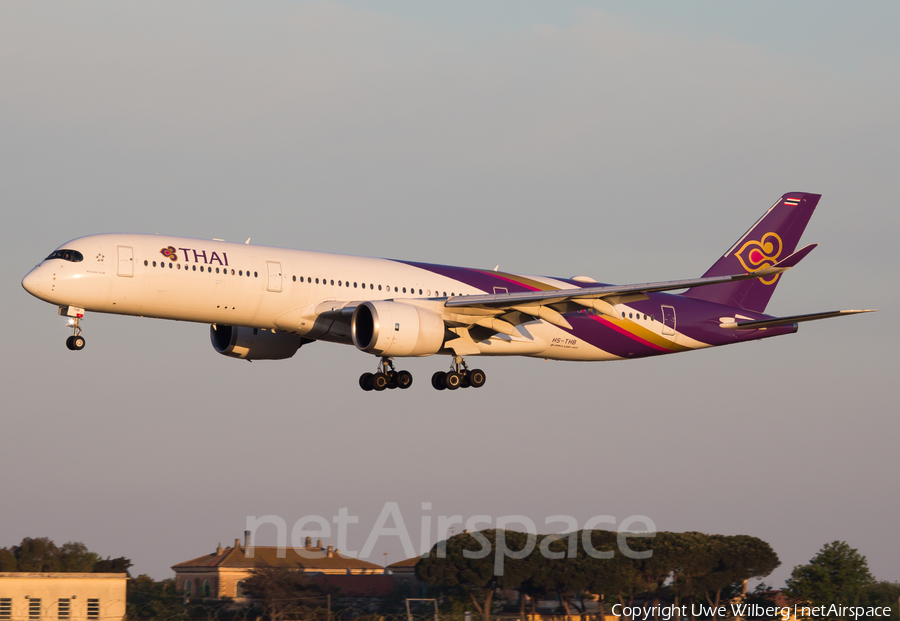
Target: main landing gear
x=387, y=377
x=76, y=341
x=459, y=376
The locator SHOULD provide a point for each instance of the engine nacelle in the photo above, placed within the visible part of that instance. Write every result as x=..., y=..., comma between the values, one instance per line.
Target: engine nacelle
x=253, y=343
x=396, y=329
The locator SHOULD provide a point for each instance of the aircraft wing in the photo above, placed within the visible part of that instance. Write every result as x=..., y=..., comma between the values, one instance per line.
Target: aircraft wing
x=786, y=321
x=600, y=298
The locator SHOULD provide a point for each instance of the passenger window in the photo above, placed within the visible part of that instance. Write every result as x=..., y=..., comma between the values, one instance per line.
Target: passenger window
x=404, y=289
x=295, y=278
x=420, y=292
x=379, y=287
x=154, y=264
x=145, y=262
x=255, y=275
x=332, y=283
x=354, y=285
x=171, y=265
x=623, y=314
x=194, y=267
x=217, y=270
x=179, y=266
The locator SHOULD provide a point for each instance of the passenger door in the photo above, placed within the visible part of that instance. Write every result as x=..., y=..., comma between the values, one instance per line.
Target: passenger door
x=125, y=261
x=274, y=283
x=668, y=313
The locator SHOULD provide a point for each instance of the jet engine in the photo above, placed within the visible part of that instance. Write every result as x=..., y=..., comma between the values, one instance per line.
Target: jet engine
x=396, y=329
x=254, y=343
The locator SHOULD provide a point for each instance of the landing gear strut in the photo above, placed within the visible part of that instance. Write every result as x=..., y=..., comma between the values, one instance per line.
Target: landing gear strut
x=386, y=377
x=459, y=376
x=76, y=341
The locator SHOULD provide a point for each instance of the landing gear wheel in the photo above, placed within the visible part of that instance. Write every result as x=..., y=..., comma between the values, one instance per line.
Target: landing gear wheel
x=379, y=381
x=365, y=381
x=465, y=383
x=78, y=342
x=476, y=378
x=392, y=379
x=69, y=343
x=453, y=380
x=438, y=380
x=403, y=379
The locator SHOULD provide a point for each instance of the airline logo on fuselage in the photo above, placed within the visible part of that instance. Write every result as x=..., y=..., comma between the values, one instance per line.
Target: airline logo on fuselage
x=199, y=256
x=756, y=255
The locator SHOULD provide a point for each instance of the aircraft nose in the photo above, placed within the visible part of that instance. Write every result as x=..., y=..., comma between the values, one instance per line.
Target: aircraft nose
x=32, y=282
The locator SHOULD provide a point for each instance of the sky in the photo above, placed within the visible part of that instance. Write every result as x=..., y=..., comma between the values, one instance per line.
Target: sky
x=626, y=143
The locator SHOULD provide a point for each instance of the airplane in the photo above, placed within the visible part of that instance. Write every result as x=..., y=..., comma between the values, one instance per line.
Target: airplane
x=264, y=303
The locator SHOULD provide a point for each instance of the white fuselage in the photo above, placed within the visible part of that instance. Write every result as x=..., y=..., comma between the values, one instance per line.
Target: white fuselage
x=277, y=289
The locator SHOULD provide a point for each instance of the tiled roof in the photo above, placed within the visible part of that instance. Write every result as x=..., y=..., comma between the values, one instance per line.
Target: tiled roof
x=410, y=562
x=311, y=559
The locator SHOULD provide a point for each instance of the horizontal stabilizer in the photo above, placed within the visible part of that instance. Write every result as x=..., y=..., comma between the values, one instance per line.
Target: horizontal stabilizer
x=786, y=321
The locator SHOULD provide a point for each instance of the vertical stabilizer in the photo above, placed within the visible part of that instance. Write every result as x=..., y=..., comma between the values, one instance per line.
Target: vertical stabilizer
x=773, y=237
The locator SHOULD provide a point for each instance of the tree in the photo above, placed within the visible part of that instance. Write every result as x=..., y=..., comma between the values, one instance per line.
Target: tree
x=75, y=557
x=617, y=578
x=466, y=564
x=837, y=574
x=37, y=555
x=119, y=565
x=7, y=560
x=42, y=555
x=281, y=591
x=564, y=577
x=148, y=599
x=733, y=560
x=884, y=594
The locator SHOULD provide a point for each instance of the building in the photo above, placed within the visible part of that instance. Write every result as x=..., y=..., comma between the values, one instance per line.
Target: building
x=26, y=596
x=221, y=573
x=403, y=575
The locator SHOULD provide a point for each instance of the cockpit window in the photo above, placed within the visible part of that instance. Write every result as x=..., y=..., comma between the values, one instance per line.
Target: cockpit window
x=66, y=255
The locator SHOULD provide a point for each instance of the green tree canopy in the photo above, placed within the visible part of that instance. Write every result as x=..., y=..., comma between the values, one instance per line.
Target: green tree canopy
x=466, y=564
x=7, y=560
x=40, y=554
x=837, y=574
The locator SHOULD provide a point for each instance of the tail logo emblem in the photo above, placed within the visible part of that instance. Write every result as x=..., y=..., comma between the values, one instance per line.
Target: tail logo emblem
x=757, y=255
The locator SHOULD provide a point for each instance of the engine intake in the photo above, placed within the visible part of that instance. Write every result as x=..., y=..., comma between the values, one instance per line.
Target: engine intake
x=254, y=343
x=396, y=329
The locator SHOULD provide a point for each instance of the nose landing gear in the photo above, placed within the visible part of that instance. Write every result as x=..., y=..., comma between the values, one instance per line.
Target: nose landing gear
x=75, y=315
x=459, y=376
x=386, y=377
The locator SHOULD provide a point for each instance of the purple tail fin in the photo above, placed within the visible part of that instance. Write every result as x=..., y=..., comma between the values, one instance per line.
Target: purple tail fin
x=773, y=237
